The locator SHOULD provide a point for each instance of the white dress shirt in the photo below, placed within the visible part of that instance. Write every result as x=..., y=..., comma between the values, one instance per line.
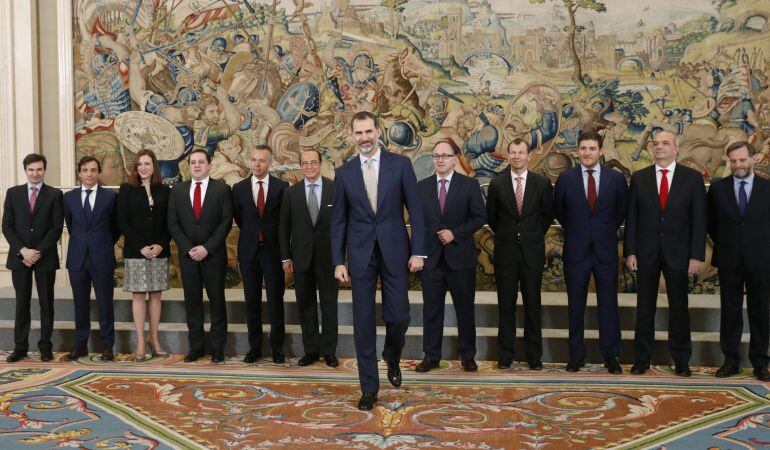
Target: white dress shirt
x=597, y=173
x=318, y=188
x=669, y=175
x=204, y=185
x=523, y=181
x=375, y=162
x=747, y=187
x=255, y=187
x=448, y=179
x=30, y=186
x=91, y=199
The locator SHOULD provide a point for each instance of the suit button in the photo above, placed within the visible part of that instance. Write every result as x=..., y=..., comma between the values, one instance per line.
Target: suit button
x=31, y=229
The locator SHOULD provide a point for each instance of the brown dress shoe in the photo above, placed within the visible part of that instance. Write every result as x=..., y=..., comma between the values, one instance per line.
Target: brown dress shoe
x=76, y=353
x=107, y=355
x=762, y=374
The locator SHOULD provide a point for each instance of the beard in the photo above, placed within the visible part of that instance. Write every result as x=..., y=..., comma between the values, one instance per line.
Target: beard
x=366, y=147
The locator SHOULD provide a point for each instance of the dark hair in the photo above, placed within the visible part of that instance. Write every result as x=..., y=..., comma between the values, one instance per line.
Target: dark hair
x=33, y=158
x=199, y=150
x=520, y=141
x=135, y=179
x=264, y=147
x=448, y=141
x=363, y=115
x=87, y=159
x=590, y=135
x=314, y=150
x=740, y=144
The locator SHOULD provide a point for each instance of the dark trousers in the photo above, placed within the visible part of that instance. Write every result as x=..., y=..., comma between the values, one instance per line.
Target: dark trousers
x=647, y=280
x=731, y=286
x=22, y=283
x=508, y=280
x=196, y=276
x=462, y=287
x=577, y=276
x=395, y=314
x=103, y=283
x=305, y=284
x=265, y=267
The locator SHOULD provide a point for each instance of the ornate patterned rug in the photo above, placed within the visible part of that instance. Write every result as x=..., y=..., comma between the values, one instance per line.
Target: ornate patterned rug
x=166, y=403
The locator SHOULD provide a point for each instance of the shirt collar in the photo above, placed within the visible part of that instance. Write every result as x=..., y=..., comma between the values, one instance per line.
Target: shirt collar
x=749, y=179
x=596, y=168
x=203, y=182
x=375, y=157
x=670, y=167
x=265, y=180
x=38, y=186
x=523, y=175
x=93, y=189
x=448, y=178
x=316, y=182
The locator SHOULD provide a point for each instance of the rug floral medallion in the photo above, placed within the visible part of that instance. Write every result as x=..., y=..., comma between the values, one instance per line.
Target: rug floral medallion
x=164, y=403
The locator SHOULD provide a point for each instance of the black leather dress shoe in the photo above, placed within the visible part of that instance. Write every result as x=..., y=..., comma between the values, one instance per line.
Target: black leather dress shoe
x=331, y=361
x=76, y=353
x=682, y=370
x=307, y=360
x=217, y=356
x=193, y=355
x=762, y=374
x=251, y=357
x=504, y=363
x=535, y=365
x=574, y=366
x=639, y=368
x=278, y=357
x=394, y=373
x=107, y=355
x=613, y=366
x=367, y=401
x=427, y=364
x=727, y=370
x=46, y=356
x=16, y=356
x=469, y=365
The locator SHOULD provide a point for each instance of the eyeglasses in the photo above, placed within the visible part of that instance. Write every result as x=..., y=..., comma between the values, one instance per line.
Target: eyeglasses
x=309, y=163
x=442, y=156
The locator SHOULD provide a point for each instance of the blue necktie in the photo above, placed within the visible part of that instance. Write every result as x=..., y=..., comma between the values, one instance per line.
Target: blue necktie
x=743, y=199
x=87, y=204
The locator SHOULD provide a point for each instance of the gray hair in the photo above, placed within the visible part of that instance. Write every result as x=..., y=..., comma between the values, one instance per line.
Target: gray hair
x=666, y=130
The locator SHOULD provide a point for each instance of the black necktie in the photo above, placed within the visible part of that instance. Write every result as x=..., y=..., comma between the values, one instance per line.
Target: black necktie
x=87, y=204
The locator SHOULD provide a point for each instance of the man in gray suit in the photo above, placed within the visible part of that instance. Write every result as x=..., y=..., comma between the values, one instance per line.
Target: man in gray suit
x=199, y=217
x=305, y=237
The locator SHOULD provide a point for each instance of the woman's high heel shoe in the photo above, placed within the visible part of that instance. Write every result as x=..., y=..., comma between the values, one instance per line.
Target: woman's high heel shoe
x=155, y=353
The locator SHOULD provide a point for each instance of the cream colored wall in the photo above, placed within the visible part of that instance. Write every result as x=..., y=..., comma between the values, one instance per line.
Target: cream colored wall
x=48, y=78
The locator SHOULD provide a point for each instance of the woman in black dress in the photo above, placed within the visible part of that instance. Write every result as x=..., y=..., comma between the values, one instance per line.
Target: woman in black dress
x=142, y=206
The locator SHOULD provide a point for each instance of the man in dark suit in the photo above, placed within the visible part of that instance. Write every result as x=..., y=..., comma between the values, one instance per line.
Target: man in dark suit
x=32, y=225
x=519, y=212
x=590, y=204
x=454, y=210
x=257, y=210
x=199, y=218
x=739, y=225
x=370, y=192
x=305, y=235
x=89, y=212
x=665, y=232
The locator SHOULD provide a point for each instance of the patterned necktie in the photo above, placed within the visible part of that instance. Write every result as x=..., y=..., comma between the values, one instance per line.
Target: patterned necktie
x=663, y=193
x=260, y=206
x=32, y=199
x=87, y=204
x=312, y=203
x=442, y=195
x=519, y=194
x=197, y=200
x=370, y=182
x=743, y=199
x=591, y=190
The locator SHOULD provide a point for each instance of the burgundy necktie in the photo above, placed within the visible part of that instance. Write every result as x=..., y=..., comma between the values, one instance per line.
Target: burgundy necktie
x=591, y=190
x=663, y=193
x=442, y=195
x=32, y=199
x=260, y=204
x=197, y=200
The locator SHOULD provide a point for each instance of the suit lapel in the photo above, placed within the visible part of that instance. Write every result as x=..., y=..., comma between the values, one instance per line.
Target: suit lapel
x=272, y=191
x=454, y=186
x=730, y=193
x=508, y=194
x=757, y=190
x=301, y=195
x=41, y=196
x=326, y=198
x=358, y=178
x=529, y=193
x=577, y=185
x=675, y=187
x=384, y=178
x=651, y=179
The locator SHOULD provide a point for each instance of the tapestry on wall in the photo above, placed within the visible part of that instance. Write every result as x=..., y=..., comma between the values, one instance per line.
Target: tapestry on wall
x=226, y=75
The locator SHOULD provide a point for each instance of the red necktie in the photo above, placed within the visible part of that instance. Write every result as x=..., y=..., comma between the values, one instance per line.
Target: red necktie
x=260, y=204
x=663, y=192
x=32, y=199
x=591, y=190
x=197, y=200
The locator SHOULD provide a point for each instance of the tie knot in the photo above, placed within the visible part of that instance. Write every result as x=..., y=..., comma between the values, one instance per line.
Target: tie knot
x=743, y=183
x=664, y=172
x=34, y=188
x=519, y=179
x=88, y=191
x=590, y=171
x=443, y=181
x=198, y=183
x=312, y=185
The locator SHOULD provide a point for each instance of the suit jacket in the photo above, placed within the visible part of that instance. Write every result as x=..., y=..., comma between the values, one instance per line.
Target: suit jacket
x=92, y=239
x=531, y=225
x=140, y=224
x=299, y=238
x=354, y=223
x=39, y=229
x=582, y=228
x=740, y=239
x=678, y=231
x=464, y=213
x=211, y=227
x=250, y=223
